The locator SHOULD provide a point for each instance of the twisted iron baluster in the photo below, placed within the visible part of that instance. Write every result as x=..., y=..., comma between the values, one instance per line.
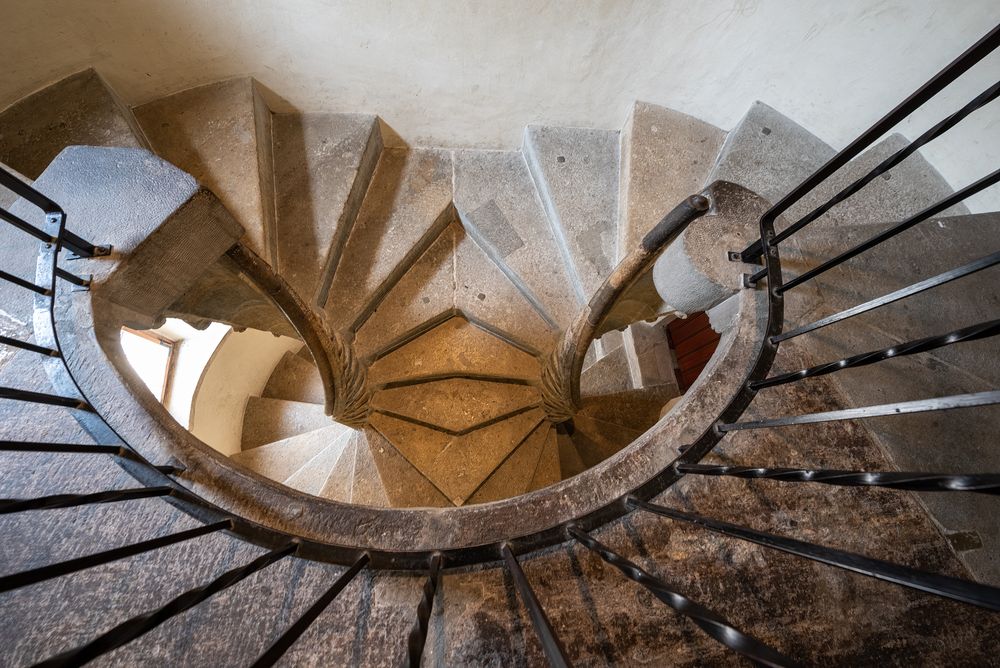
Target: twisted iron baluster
x=418, y=634
x=984, y=483
x=715, y=626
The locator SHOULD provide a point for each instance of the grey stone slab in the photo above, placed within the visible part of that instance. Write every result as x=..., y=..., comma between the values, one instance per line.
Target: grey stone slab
x=500, y=208
x=323, y=165
x=456, y=346
x=368, y=489
x=295, y=379
x=649, y=356
x=404, y=210
x=596, y=440
x=607, y=375
x=576, y=173
x=211, y=133
x=665, y=157
x=269, y=420
x=280, y=459
x=404, y=485
x=514, y=475
x=456, y=404
x=80, y=110
x=313, y=476
x=547, y=472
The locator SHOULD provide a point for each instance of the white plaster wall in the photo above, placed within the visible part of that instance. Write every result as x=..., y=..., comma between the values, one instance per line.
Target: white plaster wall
x=193, y=350
x=460, y=73
x=239, y=369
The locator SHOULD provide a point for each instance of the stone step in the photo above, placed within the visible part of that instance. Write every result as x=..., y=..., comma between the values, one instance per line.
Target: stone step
x=596, y=440
x=407, y=205
x=404, y=485
x=548, y=470
x=666, y=156
x=220, y=134
x=367, y=487
x=338, y=478
x=576, y=173
x=267, y=420
x=80, y=109
x=295, y=379
x=323, y=166
x=570, y=462
x=312, y=476
x=633, y=409
x=500, y=208
x=280, y=459
x=607, y=375
x=514, y=476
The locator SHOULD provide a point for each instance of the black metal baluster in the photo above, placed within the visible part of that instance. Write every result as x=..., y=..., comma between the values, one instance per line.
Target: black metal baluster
x=972, y=333
x=973, y=593
x=27, y=285
x=288, y=638
x=72, y=278
x=42, y=573
x=936, y=84
x=901, y=408
x=983, y=483
x=910, y=290
x=33, y=446
x=41, y=398
x=72, y=500
x=898, y=228
x=554, y=650
x=142, y=624
x=709, y=622
x=418, y=634
x=24, y=345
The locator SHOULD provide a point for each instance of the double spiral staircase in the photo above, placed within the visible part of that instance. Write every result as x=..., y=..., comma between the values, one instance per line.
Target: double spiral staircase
x=480, y=441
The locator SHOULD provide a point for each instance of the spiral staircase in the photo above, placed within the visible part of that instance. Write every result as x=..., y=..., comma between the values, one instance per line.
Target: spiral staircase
x=478, y=446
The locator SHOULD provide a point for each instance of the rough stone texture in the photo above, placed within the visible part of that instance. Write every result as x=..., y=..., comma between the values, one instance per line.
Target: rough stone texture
x=570, y=463
x=337, y=481
x=323, y=165
x=649, y=358
x=665, y=158
x=636, y=409
x=596, y=440
x=211, y=133
x=280, y=459
x=295, y=379
x=406, y=207
x=270, y=420
x=368, y=488
x=501, y=210
x=311, y=478
x=404, y=485
x=456, y=404
x=607, y=375
x=576, y=173
x=454, y=346
x=547, y=472
x=515, y=474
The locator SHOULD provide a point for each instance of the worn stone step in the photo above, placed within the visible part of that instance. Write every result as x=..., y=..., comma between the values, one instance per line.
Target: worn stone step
x=608, y=374
x=337, y=479
x=634, y=409
x=323, y=166
x=666, y=156
x=280, y=459
x=404, y=485
x=220, y=134
x=312, y=476
x=407, y=205
x=570, y=462
x=576, y=173
x=295, y=379
x=267, y=420
x=596, y=440
x=367, y=488
x=547, y=472
x=515, y=474
x=500, y=208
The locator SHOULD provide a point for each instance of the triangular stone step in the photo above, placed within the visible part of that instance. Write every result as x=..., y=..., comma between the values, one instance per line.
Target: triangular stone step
x=295, y=379
x=607, y=375
x=281, y=459
x=404, y=210
x=666, y=156
x=368, y=488
x=547, y=472
x=576, y=173
x=268, y=420
x=570, y=463
x=513, y=477
x=338, y=481
x=404, y=485
x=634, y=409
x=323, y=165
x=220, y=134
x=501, y=210
x=596, y=440
x=312, y=476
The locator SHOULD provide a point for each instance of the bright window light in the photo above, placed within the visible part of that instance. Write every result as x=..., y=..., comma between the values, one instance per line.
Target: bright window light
x=149, y=355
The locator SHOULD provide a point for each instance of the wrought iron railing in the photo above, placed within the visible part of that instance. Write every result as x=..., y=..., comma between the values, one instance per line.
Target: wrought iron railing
x=157, y=482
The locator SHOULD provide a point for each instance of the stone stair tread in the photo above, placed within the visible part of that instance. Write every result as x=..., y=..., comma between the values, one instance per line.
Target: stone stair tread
x=607, y=375
x=323, y=165
x=570, y=463
x=501, y=210
x=267, y=420
x=666, y=156
x=596, y=440
x=576, y=173
x=404, y=485
x=338, y=478
x=405, y=208
x=280, y=459
x=547, y=472
x=218, y=134
x=455, y=404
x=513, y=477
x=312, y=476
x=456, y=346
x=295, y=379
x=634, y=409
x=368, y=488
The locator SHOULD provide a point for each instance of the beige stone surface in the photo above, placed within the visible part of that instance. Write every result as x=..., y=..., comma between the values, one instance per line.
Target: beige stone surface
x=514, y=476
x=295, y=379
x=547, y=471
x=338, y=478
x=268, y=420
x=312, y=476
x=404, y=485
x=280, y=459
